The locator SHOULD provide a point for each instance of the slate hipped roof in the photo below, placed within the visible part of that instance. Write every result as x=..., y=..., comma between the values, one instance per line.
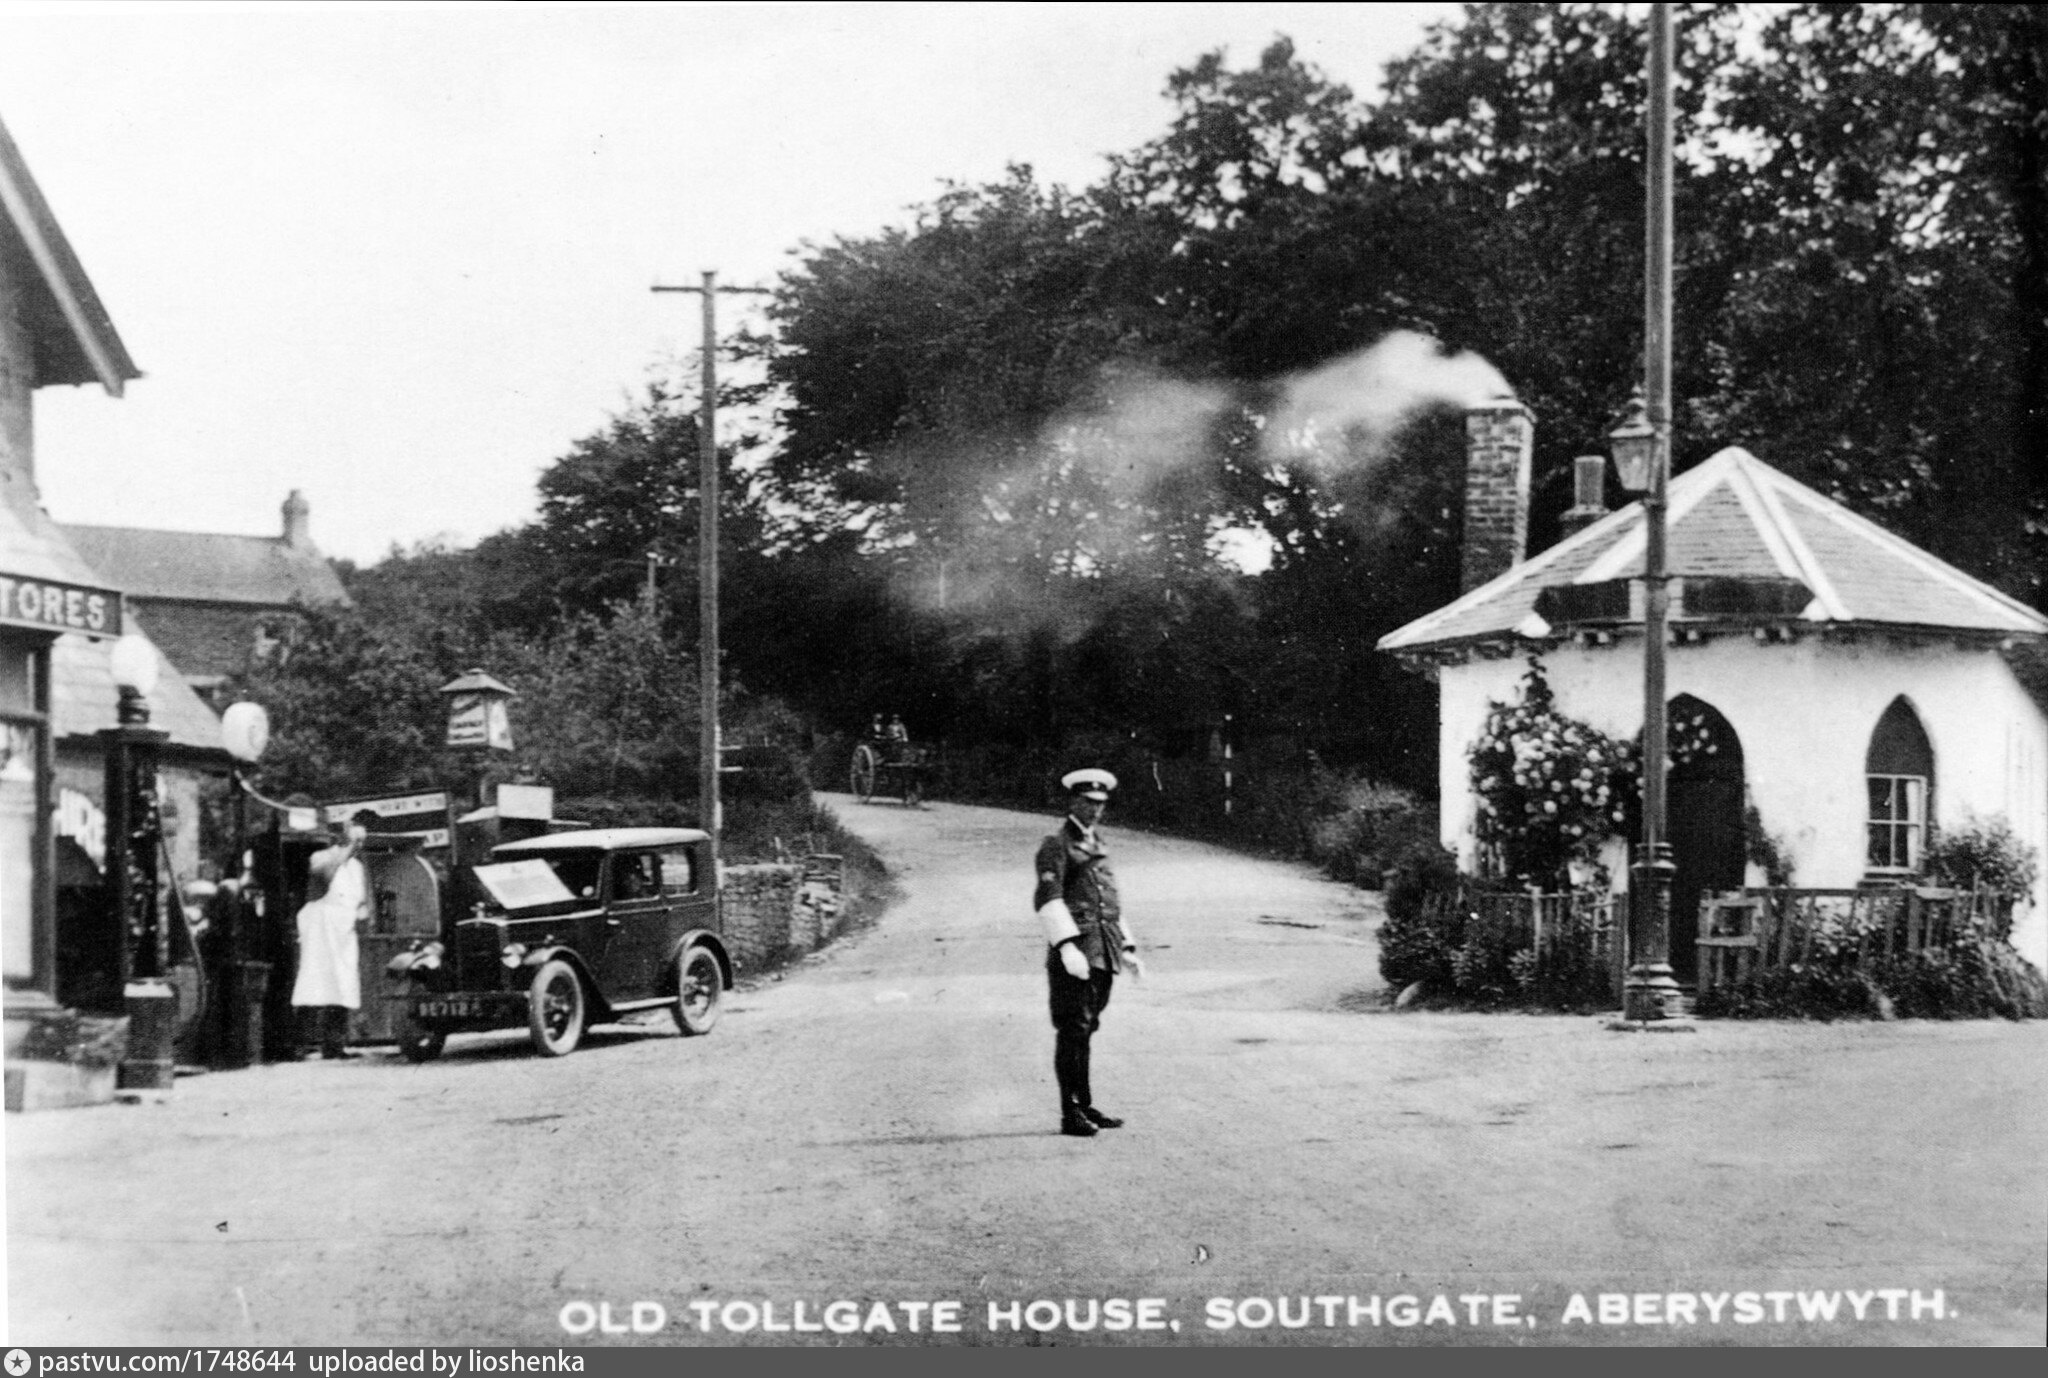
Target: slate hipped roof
x=1736, y=517
x=75, y=340
x=201, y=567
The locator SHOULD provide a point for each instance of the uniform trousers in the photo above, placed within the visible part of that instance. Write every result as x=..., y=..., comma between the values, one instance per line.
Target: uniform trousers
x=1077, y=1007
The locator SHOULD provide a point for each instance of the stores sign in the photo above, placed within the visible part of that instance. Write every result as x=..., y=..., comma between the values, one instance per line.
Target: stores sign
x=50, y=606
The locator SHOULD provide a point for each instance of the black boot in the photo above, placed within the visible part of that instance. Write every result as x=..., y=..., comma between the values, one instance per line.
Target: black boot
x=1084, y=1095
x=1069, y=1068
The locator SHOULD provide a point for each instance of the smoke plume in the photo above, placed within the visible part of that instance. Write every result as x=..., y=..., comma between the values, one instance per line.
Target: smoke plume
x=1351, y=408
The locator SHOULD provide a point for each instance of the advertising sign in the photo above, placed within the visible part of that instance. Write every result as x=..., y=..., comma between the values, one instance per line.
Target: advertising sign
x=479, y=719
x=402, y=813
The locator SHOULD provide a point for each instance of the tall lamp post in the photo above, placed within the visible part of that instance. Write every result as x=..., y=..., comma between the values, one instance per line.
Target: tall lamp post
x=1642, y=454
x=130, y=749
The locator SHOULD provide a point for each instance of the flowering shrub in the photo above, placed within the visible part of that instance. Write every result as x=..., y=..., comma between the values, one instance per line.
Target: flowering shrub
x=1550, y=789
x=1985, y=856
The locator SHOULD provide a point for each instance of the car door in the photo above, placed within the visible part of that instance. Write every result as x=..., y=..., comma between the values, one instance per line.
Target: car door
x=635, y=960
x=688, y=888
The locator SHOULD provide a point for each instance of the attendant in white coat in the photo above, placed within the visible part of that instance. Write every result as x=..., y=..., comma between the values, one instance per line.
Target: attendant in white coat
x=329, y=982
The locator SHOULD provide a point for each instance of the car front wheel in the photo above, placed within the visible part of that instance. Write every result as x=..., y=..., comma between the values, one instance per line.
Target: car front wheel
x=417, y=1042
x=555, y=1009
x=700, y=986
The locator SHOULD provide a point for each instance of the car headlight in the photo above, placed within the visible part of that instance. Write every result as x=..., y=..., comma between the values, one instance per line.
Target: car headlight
x=514, y=954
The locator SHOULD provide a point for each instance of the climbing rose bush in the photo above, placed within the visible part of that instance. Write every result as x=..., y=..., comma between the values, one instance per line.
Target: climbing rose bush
x=1550, y=789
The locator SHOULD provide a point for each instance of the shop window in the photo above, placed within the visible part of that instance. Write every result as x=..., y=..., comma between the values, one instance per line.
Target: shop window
x=1899, y=772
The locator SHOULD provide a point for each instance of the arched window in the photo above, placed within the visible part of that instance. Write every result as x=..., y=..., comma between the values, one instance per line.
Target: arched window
x=1900, y=769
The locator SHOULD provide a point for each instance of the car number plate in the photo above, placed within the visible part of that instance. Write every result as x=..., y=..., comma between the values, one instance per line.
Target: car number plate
x=451, y=1007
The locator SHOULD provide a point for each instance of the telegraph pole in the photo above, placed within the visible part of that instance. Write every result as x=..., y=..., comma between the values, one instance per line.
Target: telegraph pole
x=708, y=809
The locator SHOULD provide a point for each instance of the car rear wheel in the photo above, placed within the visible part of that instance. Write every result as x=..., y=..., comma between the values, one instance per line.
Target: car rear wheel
x=417, y=1042
x=700, y=988
x=555, y=1009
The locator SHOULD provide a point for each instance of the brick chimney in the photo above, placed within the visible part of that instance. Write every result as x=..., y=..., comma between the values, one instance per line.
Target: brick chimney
x=297, y=519
x=1589, y=493
x=1499, y=436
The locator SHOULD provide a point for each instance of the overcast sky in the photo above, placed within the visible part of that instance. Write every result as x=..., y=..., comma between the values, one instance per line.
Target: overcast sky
x=399, y=258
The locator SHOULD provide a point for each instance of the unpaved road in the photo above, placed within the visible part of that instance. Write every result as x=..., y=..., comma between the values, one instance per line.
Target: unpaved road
x=878, y=1128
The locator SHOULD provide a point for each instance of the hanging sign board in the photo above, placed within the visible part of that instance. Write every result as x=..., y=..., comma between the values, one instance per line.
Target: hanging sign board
x=526, y=801
x=397, y=813
x=478, y=719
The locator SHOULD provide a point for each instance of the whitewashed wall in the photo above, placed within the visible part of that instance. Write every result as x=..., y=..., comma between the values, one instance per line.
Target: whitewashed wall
x=1804, y=713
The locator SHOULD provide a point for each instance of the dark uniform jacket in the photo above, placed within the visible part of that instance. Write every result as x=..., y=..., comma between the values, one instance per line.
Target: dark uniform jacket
x=1074, y=866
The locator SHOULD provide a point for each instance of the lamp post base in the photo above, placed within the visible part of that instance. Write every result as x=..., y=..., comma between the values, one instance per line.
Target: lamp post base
x=1650, y=994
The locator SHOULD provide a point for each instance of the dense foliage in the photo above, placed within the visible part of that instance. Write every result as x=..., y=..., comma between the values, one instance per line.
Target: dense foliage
x=1466, y=941
x=1986, y=855
x=1977, y=975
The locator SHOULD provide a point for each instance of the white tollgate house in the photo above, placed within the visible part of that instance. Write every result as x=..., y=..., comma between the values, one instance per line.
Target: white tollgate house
x=1858, y=690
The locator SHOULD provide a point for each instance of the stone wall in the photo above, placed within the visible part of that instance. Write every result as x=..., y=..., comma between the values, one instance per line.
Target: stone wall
x=774, y=912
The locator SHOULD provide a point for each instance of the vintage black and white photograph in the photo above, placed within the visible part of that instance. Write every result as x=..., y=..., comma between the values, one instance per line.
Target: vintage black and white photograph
x=1197, y=676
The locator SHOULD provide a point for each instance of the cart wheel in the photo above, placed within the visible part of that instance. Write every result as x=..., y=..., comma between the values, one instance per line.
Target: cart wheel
x=700, y=985
x=417, y=1042
x=865, y=768
x=554, y=1009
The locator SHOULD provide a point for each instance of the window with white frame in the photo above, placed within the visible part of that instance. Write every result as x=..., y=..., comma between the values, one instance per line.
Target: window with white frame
x=1898, y=822
x=1899, y=773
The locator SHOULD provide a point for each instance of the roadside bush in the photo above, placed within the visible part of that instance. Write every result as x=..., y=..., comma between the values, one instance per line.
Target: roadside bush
x=1979, y=976
x=1472, y=944
x=1985, y=856
x=1424, y=925
x=1361, y=828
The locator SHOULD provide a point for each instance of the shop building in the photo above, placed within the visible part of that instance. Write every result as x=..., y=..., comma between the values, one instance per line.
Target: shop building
x=58, y=621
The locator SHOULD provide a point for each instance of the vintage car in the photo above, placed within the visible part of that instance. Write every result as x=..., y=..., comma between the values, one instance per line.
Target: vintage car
x=579, y=928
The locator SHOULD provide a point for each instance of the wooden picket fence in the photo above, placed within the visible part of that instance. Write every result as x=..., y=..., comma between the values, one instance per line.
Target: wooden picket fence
x=1744, y=933
x=1567, y=929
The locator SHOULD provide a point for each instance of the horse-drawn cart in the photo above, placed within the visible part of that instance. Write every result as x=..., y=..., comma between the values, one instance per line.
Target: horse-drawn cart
x=889, y=767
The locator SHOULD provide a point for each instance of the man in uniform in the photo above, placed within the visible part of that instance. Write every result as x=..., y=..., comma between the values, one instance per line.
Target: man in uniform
x=1087, y=941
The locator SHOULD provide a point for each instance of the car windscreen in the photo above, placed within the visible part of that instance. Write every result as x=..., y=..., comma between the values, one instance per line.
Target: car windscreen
x=561, y=876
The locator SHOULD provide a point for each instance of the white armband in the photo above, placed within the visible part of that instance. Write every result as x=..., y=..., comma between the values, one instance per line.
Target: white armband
x=1059, y=923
